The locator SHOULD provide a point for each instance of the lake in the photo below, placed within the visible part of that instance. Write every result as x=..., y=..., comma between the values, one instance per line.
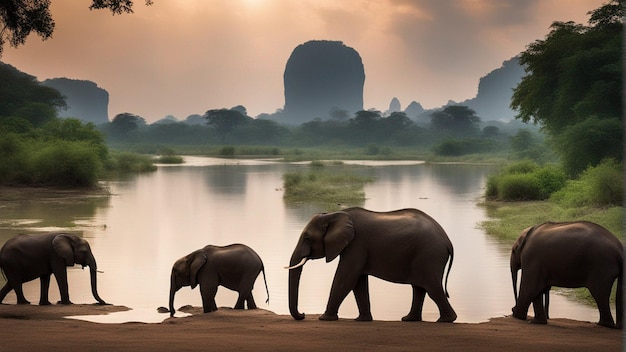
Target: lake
x=150, y=220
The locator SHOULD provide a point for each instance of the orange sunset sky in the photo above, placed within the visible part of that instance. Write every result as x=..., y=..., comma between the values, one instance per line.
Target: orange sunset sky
x=182, y=57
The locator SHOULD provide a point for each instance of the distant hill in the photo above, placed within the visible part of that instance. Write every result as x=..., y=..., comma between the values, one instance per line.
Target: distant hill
x=492, y=101
x=495, y=90
x=85, y=100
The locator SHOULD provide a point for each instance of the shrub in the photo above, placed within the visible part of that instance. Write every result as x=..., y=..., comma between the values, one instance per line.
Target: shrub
x=125, y=162
x=65, y=163
x=519, y=187
x=458, y=147
x=525, y=180
x=227, y=151
x=601, y=185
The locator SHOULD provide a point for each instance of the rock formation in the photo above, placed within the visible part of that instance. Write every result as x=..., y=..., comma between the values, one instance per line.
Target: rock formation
x=322, y=76
x=85, y=100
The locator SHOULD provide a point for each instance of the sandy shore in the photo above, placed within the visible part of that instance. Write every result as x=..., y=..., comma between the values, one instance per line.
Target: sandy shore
x=41, y=328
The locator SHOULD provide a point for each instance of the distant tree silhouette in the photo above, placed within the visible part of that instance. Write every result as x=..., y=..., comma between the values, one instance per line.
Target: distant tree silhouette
x=457, y=120
x=18, y=18
x=225, y=120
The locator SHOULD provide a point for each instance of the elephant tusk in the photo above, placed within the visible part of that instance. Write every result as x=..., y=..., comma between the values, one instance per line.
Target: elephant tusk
x=297, y=265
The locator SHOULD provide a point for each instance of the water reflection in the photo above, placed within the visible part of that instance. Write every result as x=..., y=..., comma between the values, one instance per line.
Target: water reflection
x=151, y=220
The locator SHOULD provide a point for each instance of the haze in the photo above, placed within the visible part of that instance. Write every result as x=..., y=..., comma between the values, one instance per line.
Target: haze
x=187, y=56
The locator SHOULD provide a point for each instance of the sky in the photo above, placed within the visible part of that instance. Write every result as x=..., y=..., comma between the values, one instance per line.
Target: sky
x=183, y=57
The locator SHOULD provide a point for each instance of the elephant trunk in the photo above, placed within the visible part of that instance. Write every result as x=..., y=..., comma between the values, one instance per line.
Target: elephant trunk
x=294, y=285
x=93, y=270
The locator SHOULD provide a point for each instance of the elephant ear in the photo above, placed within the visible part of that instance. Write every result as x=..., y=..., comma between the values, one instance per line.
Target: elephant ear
x=197, y=261
x=339, y=233
x=62, y=245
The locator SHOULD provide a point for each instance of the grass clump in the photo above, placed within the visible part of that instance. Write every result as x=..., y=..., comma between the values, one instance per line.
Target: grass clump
x=126, y=162
x=322, y=186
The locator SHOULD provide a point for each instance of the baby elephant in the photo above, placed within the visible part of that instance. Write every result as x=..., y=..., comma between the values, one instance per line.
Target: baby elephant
x=235, y=267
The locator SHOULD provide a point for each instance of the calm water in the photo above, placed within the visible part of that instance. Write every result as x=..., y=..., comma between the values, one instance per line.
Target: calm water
x=151, y=220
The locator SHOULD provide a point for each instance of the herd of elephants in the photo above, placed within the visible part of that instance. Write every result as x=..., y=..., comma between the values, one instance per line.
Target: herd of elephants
x=404, y=246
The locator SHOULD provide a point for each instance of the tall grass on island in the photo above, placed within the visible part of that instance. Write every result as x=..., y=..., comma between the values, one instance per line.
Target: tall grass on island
x=335, y=187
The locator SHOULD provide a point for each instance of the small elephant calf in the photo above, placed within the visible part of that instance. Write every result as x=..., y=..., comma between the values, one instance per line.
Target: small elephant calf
x=235, y=267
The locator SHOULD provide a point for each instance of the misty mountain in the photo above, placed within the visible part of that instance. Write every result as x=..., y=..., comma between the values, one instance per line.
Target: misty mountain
x=495, y=91
x=322, y=76
x=85, y=100
x=492, y=101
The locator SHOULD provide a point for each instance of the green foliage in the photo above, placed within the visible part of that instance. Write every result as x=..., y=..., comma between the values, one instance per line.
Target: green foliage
x=574, y=87
x=589, y=142
x=457, y=147
x=227, y=151
x=601, y=185
x=170, y=159
x=525, y=181
x=324, y=186
x=23, y=96
x=66, y=163
x=126, y=162
x=456, y=120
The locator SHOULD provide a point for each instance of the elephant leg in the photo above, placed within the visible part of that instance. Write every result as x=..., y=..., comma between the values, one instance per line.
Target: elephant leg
x=602, y=297
x=45, y=287
x=345, y=281
x=4, y=291
x=240, y=301
x=61, y=277
x=540, y=312
x=19, y=292
x=362, y=296
x=208, y=298
x=446, y=312
x=250, y=301
x=417, y=304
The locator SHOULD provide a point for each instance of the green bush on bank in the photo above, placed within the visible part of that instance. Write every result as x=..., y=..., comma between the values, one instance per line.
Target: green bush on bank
x=600, y=185
x=525, y=180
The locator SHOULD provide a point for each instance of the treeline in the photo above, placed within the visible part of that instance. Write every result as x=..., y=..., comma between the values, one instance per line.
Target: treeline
x=454, y=130
x=38, y=148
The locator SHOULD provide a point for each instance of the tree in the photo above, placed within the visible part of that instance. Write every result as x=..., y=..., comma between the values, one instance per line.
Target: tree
x=225, y=120
x=457, y=120
x=125, y=125
x=18, y=18
x=574, y=74
x=23, y=96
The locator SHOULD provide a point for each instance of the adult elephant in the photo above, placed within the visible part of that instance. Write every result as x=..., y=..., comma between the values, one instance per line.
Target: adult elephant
x=235, y=267
x=26, y=257
x=567, y=254
x=403, y=246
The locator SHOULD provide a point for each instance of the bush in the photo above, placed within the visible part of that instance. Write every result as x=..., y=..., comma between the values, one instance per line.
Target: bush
x=66, y=163
x=227, y=151
x=601, y=185
x=125, y=162
x=458, y=147
x=525, y=180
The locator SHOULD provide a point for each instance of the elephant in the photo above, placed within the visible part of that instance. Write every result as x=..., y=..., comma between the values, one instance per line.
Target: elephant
x=235, y=267
x=402, y=246
x=567, y=254
x=26, y=257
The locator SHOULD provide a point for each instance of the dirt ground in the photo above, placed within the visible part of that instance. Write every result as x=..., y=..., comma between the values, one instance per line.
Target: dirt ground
x=44, y=328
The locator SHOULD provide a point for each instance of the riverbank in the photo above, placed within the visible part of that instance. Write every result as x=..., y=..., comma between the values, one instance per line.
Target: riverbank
x=37, y=328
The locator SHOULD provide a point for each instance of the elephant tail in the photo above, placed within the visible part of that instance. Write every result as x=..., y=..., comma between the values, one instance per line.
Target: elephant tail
x=445, y=287
x=267, y=301
x=619, y=299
